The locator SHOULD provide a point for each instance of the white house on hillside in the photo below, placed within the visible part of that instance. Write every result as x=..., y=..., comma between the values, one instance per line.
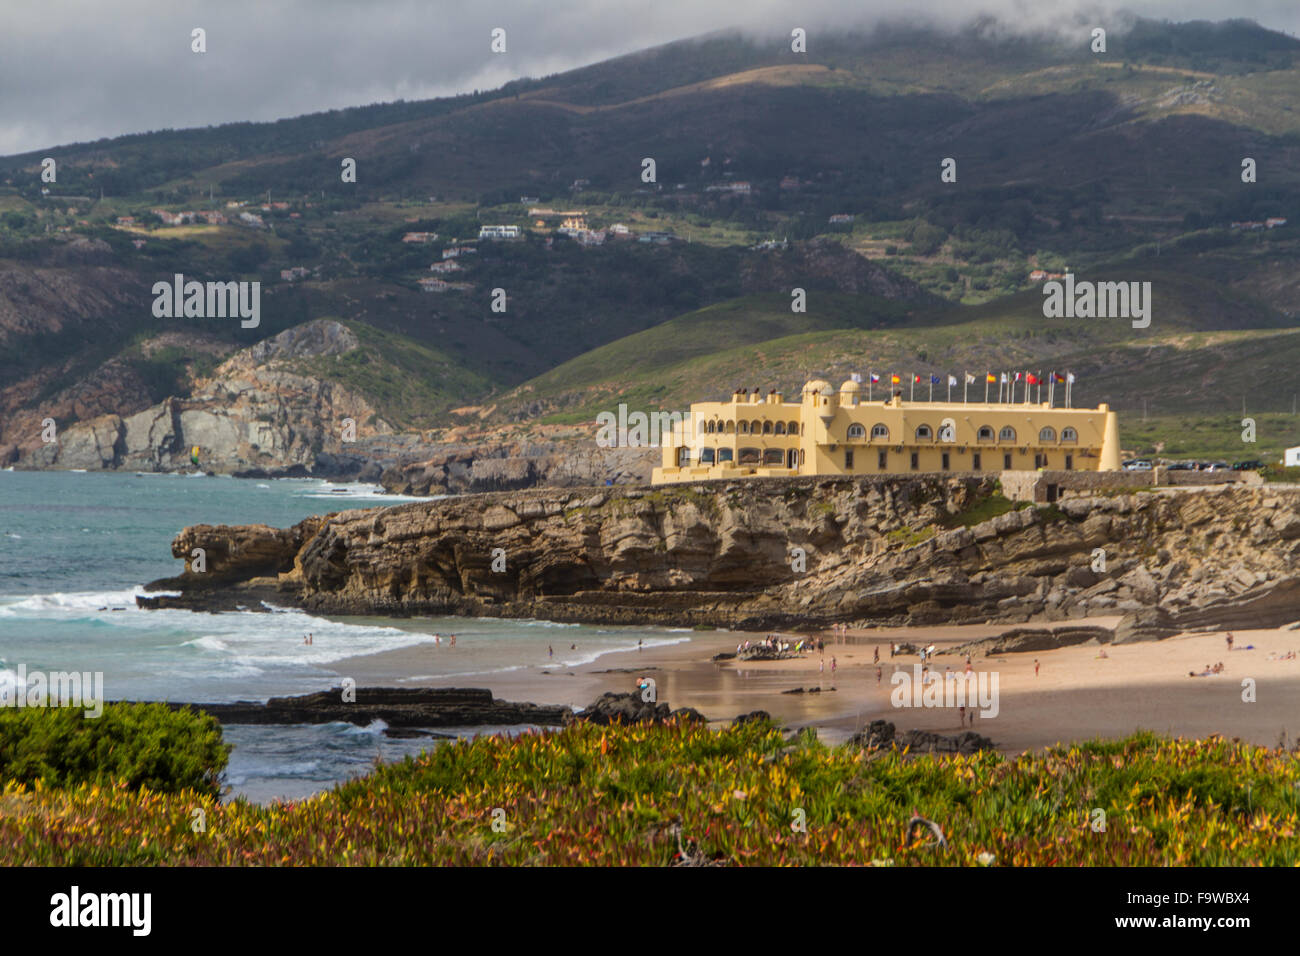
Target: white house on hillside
x=1292, y=457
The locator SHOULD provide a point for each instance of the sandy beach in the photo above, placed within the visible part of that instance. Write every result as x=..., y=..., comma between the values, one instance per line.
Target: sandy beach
x=1076, y=693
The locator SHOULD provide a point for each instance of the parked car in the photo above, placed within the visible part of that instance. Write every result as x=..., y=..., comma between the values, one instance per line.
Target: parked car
x=1253, y=464
x=1180, y=466
x=1137, y=464
x=1219, y=466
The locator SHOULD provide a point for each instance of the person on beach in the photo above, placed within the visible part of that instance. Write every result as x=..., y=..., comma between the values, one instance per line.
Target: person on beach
x=550, y=651
x=821, y=666
x=875, y=656
x=879, y=674
x=453, y=640
x=1035, y=666
x=638, y=643
x=961, y=716
x=832, y=666
x=1229, y=640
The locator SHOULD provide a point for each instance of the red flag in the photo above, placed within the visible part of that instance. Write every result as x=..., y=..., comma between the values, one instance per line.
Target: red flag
x=1034, y=379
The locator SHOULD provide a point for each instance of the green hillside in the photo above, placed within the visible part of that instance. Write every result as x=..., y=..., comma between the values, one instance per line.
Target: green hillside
x=1124, y=165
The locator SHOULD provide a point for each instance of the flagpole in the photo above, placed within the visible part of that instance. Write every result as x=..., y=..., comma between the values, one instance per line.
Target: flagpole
x=949, y=389
x=965, y=386
x=870, y=376
x=986, y=388
x=911, y=397
x=931, y=389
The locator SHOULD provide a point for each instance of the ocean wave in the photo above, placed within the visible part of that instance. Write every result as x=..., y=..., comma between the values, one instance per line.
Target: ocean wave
x=27, y=604
x=355, y=489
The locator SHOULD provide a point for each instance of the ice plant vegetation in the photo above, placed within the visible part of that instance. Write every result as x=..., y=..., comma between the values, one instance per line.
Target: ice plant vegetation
x=681, y=793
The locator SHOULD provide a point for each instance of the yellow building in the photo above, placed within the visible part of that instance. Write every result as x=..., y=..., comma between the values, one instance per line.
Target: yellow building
x=830, y=433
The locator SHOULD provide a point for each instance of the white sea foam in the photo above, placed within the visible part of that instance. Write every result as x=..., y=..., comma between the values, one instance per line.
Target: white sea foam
x=74, y=603
x=355, y=489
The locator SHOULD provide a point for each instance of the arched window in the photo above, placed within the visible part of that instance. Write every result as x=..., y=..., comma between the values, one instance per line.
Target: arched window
x=923, y=433
x=708, y=428
x=743, y=428
x=1069, y=434
x=755, y=428
x=767, y=428
x=683, y=457
x=857, y=431
x=793, y=429
x=801, y=456
x=880, y=430
x=1046, y=435
x=749, y=456
x=724, y=454
x=985, y=433
x=731, y=428
x=780, y=428
x=1007, y=434
x=774, y=456
x=706, y=456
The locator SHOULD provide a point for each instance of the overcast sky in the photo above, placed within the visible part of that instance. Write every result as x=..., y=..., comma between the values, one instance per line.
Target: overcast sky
x=75, y=70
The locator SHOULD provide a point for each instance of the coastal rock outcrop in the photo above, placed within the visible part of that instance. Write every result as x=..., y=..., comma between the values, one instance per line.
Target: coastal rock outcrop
x=630, y=708
x=891, y=550
x=397, y=707
x=260, y=408
x=880, y=735
x=507, y=466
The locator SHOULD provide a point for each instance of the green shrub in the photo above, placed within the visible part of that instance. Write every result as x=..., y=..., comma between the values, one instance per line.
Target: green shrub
x=143, y=745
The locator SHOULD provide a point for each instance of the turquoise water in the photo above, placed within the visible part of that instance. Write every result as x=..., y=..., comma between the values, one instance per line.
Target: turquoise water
x=75, y=549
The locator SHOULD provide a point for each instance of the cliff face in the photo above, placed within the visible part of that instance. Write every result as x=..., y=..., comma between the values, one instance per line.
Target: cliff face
x=888, y=551
x=252, y=412
x=508, y=466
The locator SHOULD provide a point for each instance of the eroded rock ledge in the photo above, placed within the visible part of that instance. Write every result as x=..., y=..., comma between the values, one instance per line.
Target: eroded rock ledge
x=398, y=707
x=895, y=550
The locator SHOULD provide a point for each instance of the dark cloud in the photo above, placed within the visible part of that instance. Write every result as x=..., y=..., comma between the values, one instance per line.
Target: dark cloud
x=74, y=70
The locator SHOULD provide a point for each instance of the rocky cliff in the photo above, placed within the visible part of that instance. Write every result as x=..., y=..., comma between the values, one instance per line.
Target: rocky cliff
x=780, y=552
x=260, y=414
x=255, y=410
x=509, y=466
